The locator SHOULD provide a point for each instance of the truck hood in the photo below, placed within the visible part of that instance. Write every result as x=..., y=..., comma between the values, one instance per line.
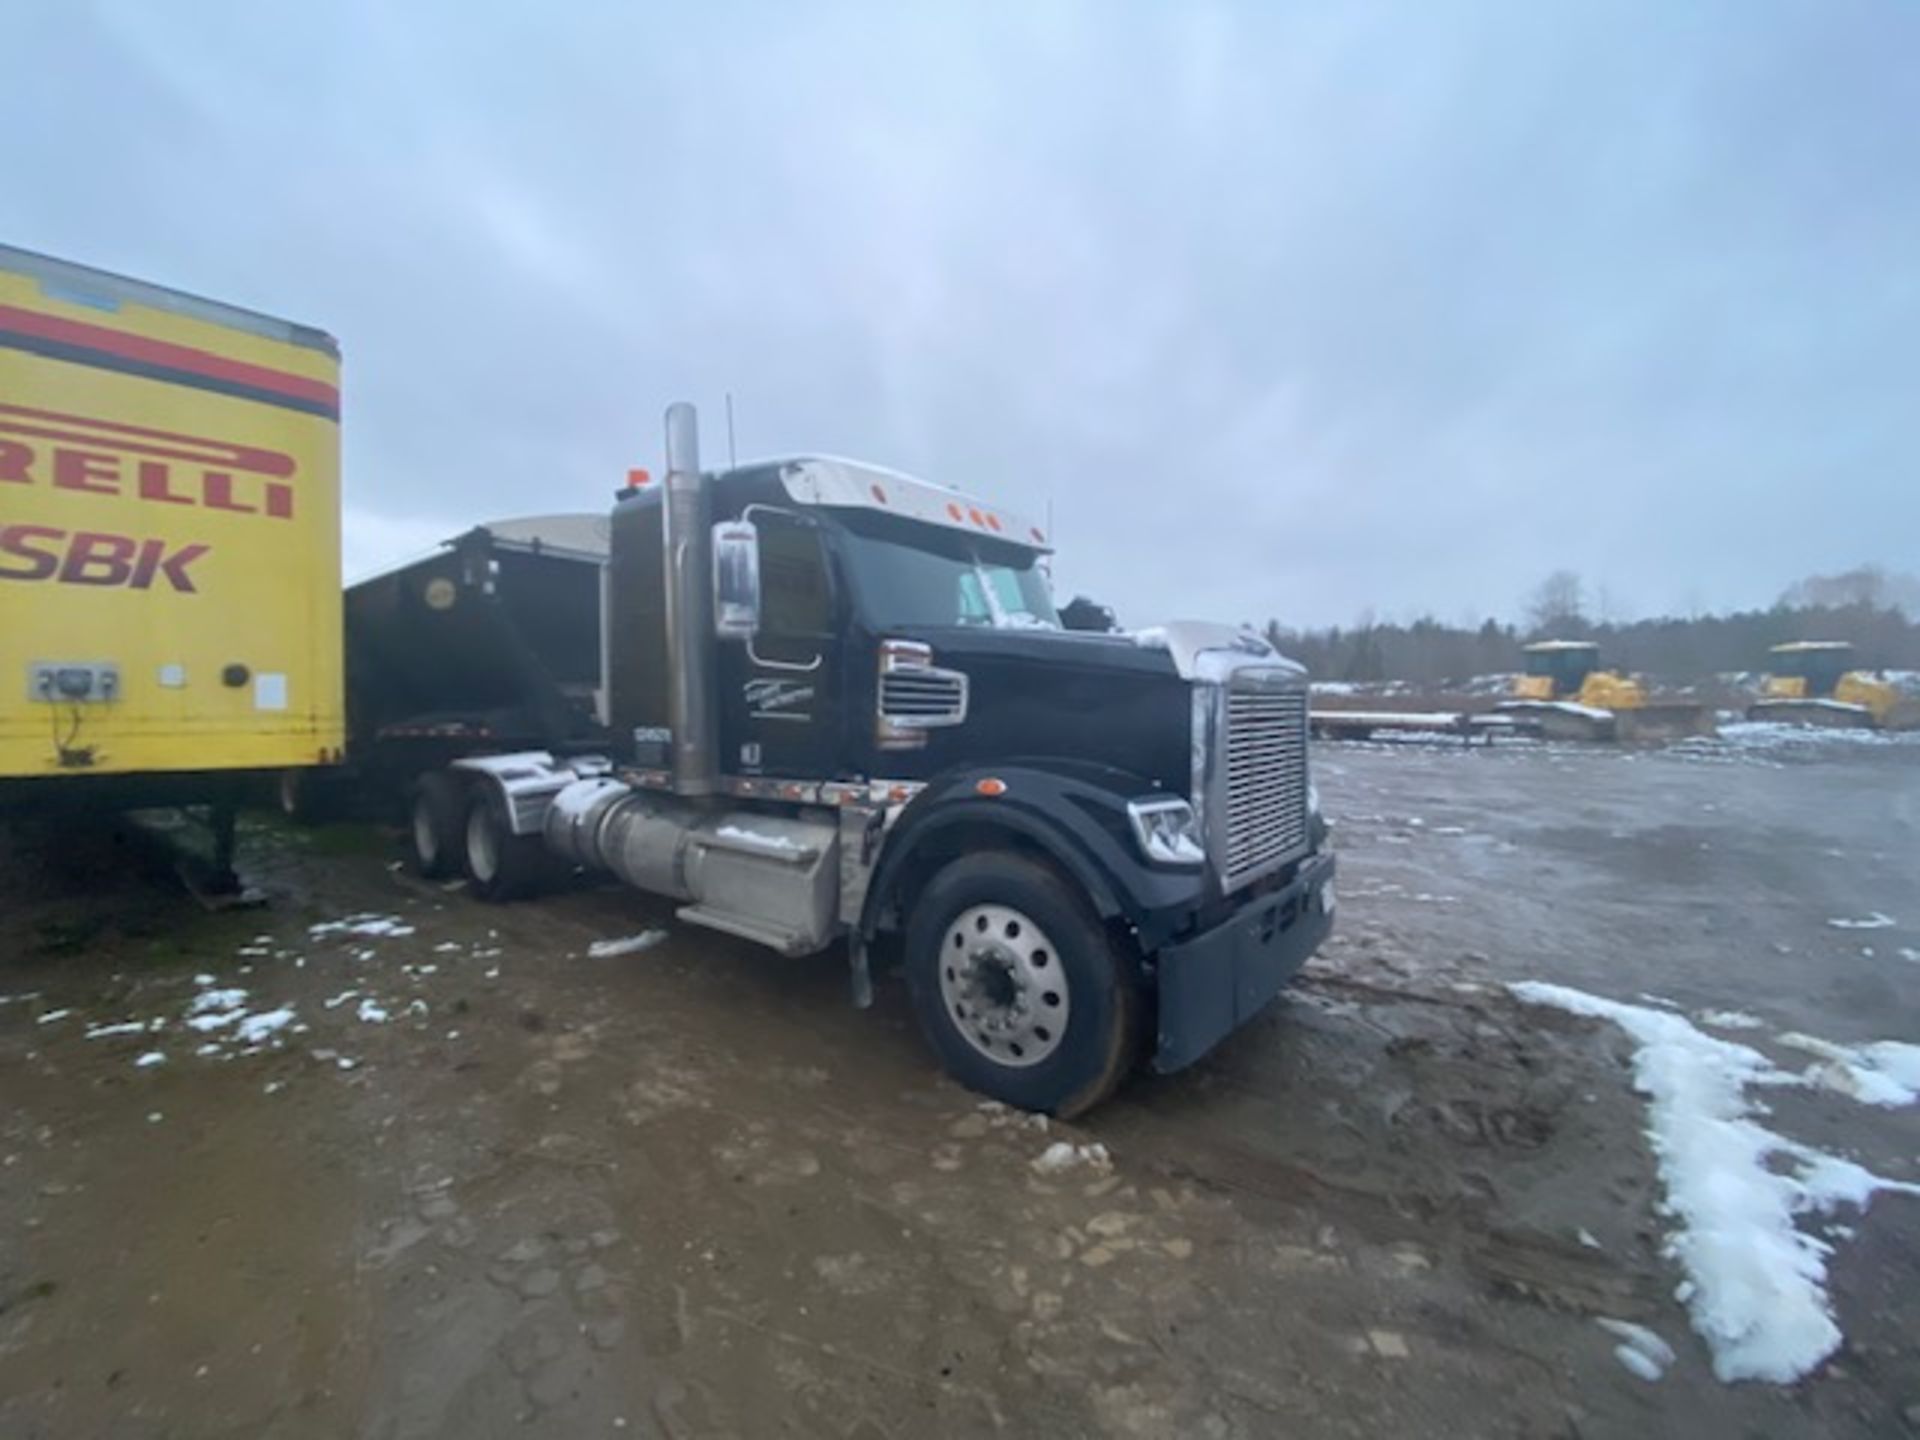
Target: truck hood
x=1187, y=649
x=1121, y=702
x=1058, y=698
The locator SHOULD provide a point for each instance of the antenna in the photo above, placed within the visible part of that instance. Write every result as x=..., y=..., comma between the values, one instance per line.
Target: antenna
x=732, y=460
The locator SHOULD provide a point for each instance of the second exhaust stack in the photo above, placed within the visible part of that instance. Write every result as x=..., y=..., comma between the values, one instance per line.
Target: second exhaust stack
x=687, y=535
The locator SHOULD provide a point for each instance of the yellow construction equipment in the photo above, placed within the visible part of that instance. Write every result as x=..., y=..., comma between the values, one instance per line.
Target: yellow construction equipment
x=1564, y=691
x=1814, y=682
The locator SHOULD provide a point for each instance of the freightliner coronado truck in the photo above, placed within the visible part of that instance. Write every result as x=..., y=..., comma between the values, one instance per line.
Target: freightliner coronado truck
x=835, y=706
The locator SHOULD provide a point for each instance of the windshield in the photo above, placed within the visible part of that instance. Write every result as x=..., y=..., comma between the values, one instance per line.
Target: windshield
x=914, y=575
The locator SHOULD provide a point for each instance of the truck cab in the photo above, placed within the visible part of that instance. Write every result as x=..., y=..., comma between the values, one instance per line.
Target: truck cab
x=841, y=709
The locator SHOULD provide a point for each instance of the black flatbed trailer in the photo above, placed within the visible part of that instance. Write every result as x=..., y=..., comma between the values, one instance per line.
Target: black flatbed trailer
x=492, y=642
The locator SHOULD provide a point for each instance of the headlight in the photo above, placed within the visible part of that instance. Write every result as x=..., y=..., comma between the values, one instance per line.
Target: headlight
x=1167, y=832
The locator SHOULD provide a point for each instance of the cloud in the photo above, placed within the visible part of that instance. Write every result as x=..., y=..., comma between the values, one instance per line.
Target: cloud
x=1283, y=310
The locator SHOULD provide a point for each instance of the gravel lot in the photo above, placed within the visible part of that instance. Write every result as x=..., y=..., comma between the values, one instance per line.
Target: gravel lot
x=442, y=1171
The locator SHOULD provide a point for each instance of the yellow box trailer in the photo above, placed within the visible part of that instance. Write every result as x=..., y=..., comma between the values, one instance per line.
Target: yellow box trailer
x=169, y=537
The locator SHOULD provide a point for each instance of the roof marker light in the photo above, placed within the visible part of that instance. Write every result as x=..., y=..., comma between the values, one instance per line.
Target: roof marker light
x=636, y=479
x=992, y=786
x=878, y=493
x=993, y=521
x=955, y=511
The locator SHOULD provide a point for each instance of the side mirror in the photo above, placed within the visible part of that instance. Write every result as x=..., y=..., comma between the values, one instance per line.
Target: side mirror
x=736, y=580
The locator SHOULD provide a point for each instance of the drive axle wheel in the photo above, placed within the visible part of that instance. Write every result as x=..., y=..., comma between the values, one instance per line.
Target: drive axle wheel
x=436, y=811
x=1018, y=986
x=500, y=864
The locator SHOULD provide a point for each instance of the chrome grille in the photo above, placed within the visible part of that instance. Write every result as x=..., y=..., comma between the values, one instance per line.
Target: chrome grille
x=922, y=698
x=1264, y=779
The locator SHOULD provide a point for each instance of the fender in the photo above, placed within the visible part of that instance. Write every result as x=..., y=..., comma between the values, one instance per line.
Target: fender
x=1079, y=819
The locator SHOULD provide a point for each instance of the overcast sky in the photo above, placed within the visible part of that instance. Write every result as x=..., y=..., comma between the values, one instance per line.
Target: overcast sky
x=1285, y=311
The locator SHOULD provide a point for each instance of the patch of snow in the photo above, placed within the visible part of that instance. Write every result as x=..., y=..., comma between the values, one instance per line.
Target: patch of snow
x=1885, y=1073
x=1640, y=1350
x=334, y=1002
x=52, y=1015
x=372, y=1012
x=217, y=1000
x=1773, y=735
x=1874, y=921
x=1063, y=1155
x=150, y=1059
x=1907, y=952
x=755, y=837
x=125, y=1027
x=1756, y=1284
x=253, y=1029
x=1730, y=1020
x=214, y=1020
x=1585, y=1236
x=368, y=924
x=626, y=945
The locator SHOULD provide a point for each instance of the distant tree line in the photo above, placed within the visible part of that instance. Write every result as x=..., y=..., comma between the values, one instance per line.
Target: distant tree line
x=1867, y=607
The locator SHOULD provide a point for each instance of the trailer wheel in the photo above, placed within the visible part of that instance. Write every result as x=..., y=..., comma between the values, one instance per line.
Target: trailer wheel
x=1018, y=986
x=437, y=813
x=500, y=864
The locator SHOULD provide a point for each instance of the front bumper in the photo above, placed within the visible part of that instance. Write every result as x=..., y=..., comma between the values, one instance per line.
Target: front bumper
x=1211, y=985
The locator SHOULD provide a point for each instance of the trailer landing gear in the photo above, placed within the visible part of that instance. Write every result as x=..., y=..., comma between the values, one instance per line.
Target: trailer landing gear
x=213, y=881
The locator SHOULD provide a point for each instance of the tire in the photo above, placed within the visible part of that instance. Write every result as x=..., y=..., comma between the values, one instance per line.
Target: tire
x=1040, y=952
x=500, y=864
x=437, y=817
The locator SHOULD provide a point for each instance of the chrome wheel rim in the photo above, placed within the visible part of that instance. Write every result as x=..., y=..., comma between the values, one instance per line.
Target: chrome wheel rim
x=483, y=856
x=1003, y=985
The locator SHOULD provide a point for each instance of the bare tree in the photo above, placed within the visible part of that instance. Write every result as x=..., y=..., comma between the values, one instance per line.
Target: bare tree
x=1558, y=606
x=1868, y=586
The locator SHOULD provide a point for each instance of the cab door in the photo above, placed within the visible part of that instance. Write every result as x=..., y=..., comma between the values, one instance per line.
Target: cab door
x=780, y=692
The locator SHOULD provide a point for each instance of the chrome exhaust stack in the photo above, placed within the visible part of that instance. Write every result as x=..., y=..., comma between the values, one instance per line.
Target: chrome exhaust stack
x=687, y=535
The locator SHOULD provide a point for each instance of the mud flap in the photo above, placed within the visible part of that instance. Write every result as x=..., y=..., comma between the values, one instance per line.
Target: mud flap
x=1213, y=984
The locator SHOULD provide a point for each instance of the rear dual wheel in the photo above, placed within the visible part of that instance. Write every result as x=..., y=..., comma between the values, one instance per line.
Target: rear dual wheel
x=500, y=864
x=436, y=815
x=1019, y=987
x=463, y=828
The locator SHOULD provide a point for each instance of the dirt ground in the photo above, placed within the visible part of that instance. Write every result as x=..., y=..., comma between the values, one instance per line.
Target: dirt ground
x=481, y=1182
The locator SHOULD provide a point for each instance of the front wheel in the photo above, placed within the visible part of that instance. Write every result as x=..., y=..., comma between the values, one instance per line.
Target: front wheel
x=1019, y=987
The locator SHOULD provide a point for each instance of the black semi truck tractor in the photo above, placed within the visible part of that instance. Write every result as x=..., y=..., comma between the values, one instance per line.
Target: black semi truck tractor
x=836, y=707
